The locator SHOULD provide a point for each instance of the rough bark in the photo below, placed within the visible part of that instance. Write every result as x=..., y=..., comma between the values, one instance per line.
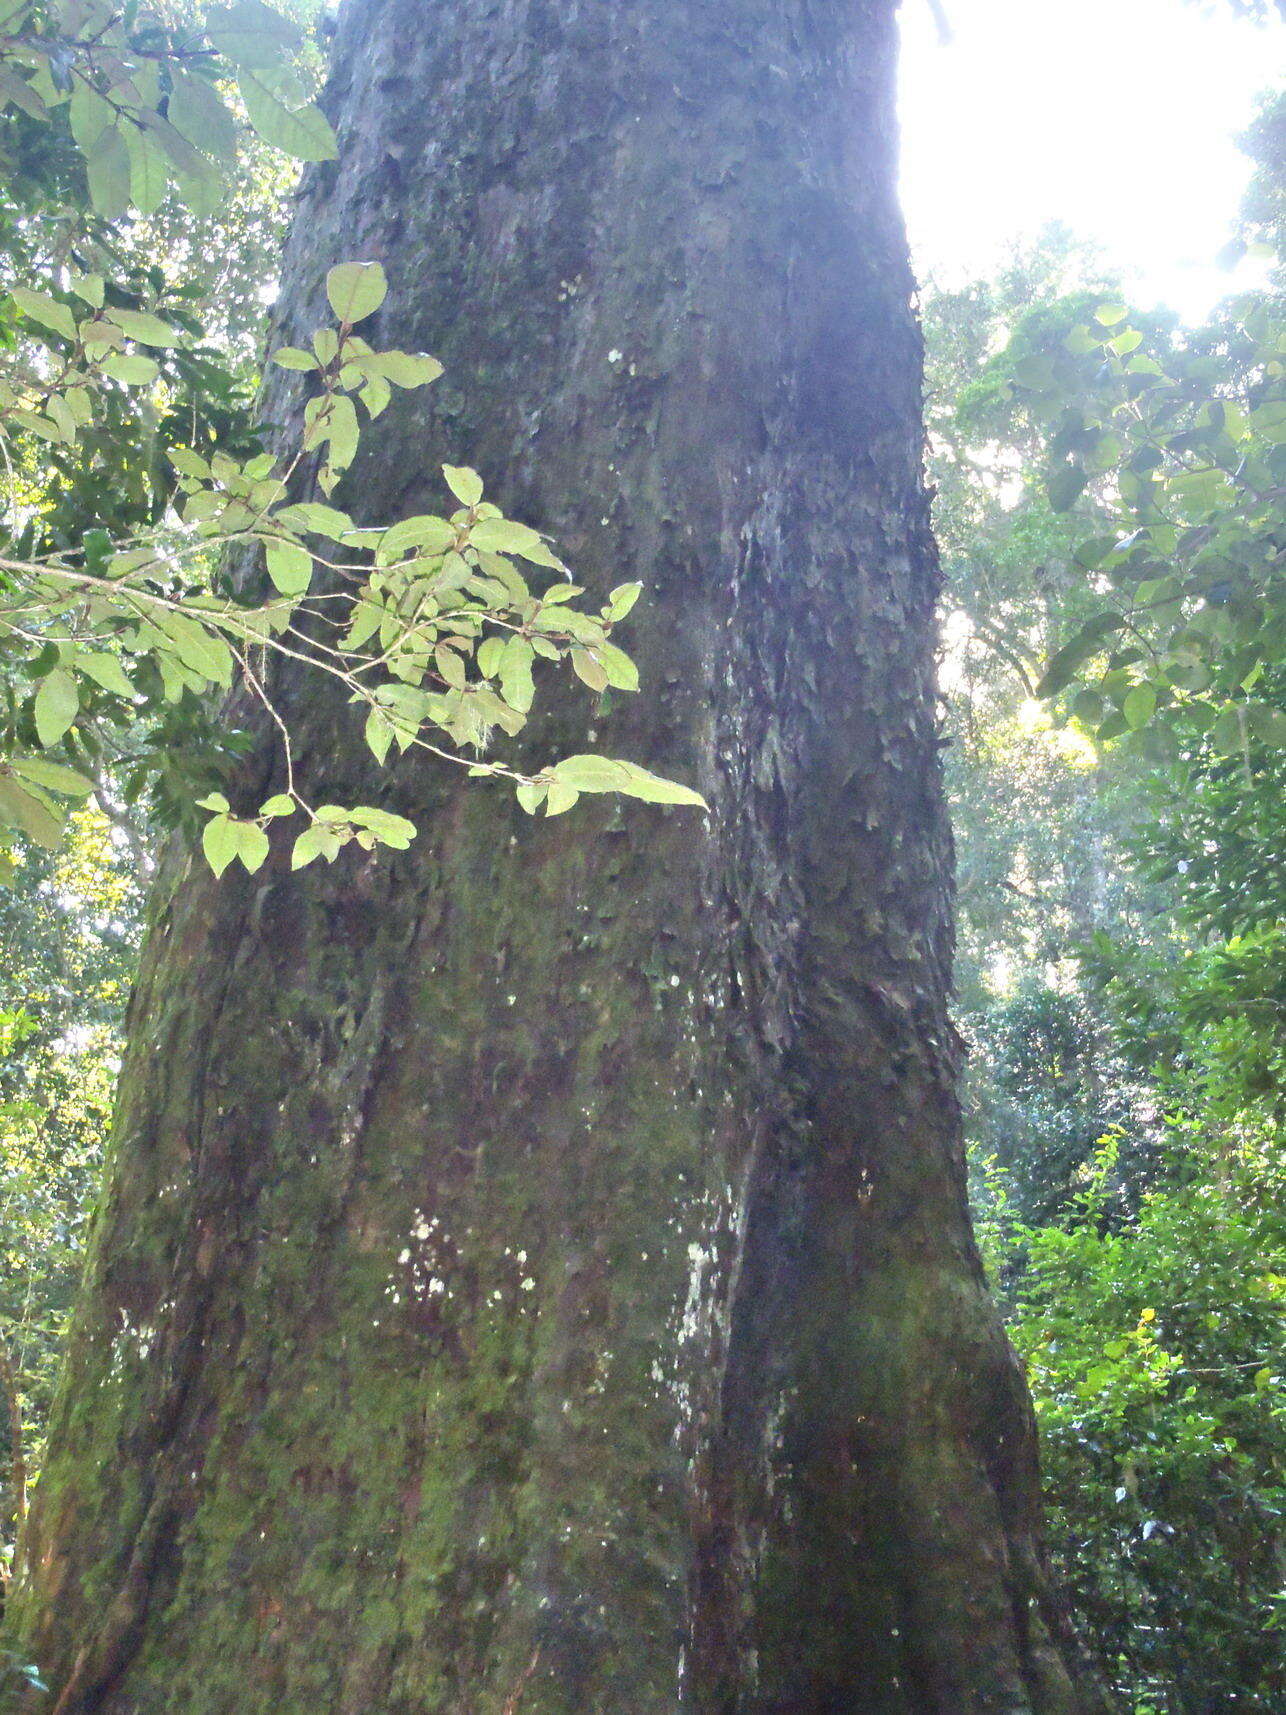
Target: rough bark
x=535, y=1273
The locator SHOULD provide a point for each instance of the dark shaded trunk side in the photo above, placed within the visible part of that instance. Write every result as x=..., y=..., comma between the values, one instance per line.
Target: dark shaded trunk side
x=536, y=1272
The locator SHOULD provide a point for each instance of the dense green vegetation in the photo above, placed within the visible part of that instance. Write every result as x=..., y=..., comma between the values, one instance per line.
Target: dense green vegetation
x=1116, y=647
x=1110, y=504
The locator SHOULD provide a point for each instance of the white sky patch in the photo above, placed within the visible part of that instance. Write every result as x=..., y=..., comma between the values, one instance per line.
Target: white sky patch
x=1118, y=118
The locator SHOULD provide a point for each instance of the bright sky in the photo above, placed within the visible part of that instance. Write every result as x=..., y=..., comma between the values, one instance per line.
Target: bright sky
x=1117, y=117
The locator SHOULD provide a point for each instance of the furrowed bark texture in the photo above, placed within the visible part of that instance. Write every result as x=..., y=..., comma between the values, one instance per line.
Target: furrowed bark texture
x=535, y=1274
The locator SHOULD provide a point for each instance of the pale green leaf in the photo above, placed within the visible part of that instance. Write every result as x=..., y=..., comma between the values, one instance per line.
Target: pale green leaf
x=51, y=775
x=621, y=600
x=464, y=483
x=292, y=357
x=506, y=536
x=356, y=290
x=149, y=172
x=30, y=813
x=40, y=307
x=290, y=567
x=143, y=326
x=408, y=369
x=130, y=368
x=1139, y=705
x=516, y=682
x=561, y=797
x=197, y=113
x=313, y=515
x=317, y=841
x=621, y=672
x=588, y=669
x=303, y=133
x=220, y=843
x=56, y=707
x=15, y=91
x=252, y=845
x=251, y=34
x=607, y=774
x=107, y=169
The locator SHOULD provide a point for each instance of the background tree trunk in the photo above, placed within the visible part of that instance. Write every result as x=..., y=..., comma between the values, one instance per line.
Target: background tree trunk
x=535, y=1274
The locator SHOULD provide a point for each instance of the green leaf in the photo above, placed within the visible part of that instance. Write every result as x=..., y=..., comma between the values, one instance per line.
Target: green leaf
x=90, y=287
x=107, y=170
x=389, y=830
x=1064, y=662
x=56, y=707
x=51, y=775
x=146, y=328
x=149, y=171
x=356, y=290
x=40, y=307
x=379, y=735
x=1139, y=705
x=464, y=483
x=220, y=843
x=104, y=670
x=315, y=516
x=1065, y=486
x=31, y=814
x=303, y=133
x=1268, y=420
x=17, y=92
x=506, y=536
x=189, y=463
x=409, y=369
x=608, y=774
x=197, y=113
x=317, y=841
x=531, y=795
x=1227, y=734
x=198, y=649
x=516, y=684
x=343, y=431
x=588, y=669
x=490, y=654
x=621, y=672
x=621, y=600
x=90, y=115
x=281, y=804
x=291, y=357
x=251, y=34
x=290, y=567
x=130, y=368
x=1267, y=724
x=1108, y=315
x=252, y=845
x=421, y=533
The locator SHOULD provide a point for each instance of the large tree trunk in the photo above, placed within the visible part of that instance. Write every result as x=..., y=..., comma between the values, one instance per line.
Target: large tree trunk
x=535, y=1276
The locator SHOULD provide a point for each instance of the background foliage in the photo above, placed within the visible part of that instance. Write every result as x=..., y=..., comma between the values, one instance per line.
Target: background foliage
x=1110, y=489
